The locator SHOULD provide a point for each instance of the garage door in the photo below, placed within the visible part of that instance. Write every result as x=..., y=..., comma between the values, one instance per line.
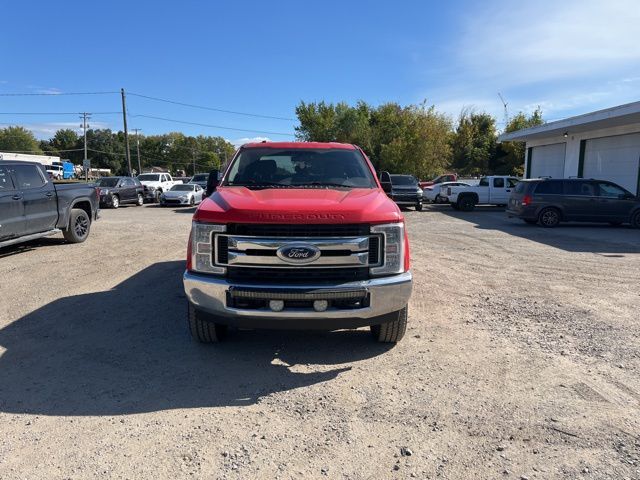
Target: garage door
x=614, y=158
x=547, y=161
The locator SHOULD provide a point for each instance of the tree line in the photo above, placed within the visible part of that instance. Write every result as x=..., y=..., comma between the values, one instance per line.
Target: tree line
x=415, y=139
x=106, y=149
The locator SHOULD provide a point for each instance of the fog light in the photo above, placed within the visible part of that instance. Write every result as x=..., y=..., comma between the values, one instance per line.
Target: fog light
x=276, y=305
x=320, y=305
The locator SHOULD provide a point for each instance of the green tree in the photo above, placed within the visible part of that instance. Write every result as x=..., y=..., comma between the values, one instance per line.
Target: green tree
x=62, y=142
x=474, y=143
x=509, y=159
x=18, y=139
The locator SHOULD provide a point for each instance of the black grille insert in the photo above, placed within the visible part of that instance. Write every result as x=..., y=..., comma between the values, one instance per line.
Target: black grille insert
x=297, y=275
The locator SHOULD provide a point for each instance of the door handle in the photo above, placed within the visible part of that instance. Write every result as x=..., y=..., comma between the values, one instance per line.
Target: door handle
x=17, y=197
x=508, y=191
x=49, y=194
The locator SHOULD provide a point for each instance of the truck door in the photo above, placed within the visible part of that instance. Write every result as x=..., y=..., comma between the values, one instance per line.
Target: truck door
x=12, y=221
x=38, y=197
x=498, y=194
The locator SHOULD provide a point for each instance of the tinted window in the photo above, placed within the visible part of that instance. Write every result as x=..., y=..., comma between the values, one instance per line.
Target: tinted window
x=127, y=182
x=498, y=182
x=407, y=180
x=182, y=188
x=484, y=182
x=28, y=176
x=610, y=190
x=549, y=188
x=149, y=177
x=585, y=188
x=520, y=187
x=294, y=167
x=107, y=182
x=5, y=179
x=200, y=178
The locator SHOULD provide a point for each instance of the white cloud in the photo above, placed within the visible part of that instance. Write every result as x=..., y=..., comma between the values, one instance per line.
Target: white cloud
x=241, y=141
x=570, y=57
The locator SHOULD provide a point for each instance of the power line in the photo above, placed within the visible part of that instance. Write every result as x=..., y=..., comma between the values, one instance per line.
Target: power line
x=53, y=94
x=214, y=126
x=56, y=113
x=214, y=109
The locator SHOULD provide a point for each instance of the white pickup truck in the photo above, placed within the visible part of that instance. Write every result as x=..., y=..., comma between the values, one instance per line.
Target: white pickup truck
x=493, y=190
x=155, y=184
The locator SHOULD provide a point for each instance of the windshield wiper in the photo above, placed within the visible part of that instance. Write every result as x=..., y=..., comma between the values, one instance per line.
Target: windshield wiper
x=322, y=184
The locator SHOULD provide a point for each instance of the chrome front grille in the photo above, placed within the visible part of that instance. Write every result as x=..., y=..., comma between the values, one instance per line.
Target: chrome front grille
x=335, y=252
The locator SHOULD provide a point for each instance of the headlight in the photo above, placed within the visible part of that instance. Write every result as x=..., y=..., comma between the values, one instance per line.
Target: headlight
x=151, y=189
x=183, y=197
x=420, y=192
x=104, y=192
x=392, y=249
x=202, y=247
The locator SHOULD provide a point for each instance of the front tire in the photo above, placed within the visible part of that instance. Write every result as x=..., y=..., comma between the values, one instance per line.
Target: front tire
x=635, y=220
x=140, y=201
x=391, y=332
x=115, y=201
x=549, y=217
x=79, y=226
x=203, y=328
x=419, y=207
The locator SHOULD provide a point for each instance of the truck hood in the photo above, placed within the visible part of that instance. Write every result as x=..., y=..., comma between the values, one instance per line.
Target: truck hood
x=311, y=205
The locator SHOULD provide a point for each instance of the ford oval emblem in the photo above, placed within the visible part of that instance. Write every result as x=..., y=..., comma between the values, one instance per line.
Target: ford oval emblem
x=298, y=253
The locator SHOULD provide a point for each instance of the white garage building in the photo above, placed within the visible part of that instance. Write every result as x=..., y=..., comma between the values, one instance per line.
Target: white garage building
x=604, y=145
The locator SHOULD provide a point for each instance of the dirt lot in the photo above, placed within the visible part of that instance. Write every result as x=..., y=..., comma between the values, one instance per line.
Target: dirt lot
x=522, y=360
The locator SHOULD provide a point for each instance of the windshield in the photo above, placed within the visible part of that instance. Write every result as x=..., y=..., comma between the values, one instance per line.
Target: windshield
x=407, y=180
x=300, y=168
x=149, y=177
x=200, y=178
x=107, y=182
x=182, y=188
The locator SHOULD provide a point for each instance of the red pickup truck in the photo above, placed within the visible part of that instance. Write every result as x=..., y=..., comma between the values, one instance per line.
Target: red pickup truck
x=298, y=236
x=447, y=177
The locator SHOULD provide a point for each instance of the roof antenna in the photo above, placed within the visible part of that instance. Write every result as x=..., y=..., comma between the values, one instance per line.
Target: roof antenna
x=506, y=111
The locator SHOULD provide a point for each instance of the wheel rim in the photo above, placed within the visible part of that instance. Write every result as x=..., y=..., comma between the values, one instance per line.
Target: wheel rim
x=140, y=200
x=549, y=218
x=81, y=226
x=115, y=202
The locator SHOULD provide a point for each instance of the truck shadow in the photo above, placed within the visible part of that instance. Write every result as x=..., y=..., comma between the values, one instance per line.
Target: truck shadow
x=128, y=350
x=598, y=238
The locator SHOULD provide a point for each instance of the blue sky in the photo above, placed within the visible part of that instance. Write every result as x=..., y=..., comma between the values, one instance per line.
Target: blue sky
x=264, y=57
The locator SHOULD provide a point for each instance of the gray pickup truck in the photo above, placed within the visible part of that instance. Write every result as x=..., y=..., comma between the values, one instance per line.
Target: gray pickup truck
x=31, y=206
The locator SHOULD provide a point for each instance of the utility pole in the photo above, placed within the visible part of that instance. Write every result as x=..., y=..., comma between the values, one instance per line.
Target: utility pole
x=137, y=130
x=126, y=132
x=85, y=116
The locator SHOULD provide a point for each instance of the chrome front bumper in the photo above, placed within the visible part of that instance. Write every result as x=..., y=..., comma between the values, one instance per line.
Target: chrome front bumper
x=386, y=296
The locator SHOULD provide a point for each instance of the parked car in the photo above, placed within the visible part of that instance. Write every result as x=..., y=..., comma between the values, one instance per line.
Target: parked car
x=548, y=202
x=31, y=206
x=447, y=177
x=156, y=183
x=492, y=190
x=180, y=195
x=298, y=235
x=433, y=193
x=116, y=191
x=405, y=191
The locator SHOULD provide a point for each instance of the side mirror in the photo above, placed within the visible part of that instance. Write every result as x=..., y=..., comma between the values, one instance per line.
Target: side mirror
x=212, y=182
x=385, y=181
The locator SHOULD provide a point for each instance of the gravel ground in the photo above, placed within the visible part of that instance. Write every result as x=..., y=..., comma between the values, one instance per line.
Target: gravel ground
x=521, y=361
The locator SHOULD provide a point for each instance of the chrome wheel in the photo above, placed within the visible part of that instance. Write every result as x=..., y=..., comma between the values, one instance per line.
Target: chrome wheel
x=115, y=201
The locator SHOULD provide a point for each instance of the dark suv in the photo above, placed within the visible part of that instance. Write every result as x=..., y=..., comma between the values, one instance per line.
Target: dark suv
x=406, y=191
x=116, y=191
x=551, y=201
